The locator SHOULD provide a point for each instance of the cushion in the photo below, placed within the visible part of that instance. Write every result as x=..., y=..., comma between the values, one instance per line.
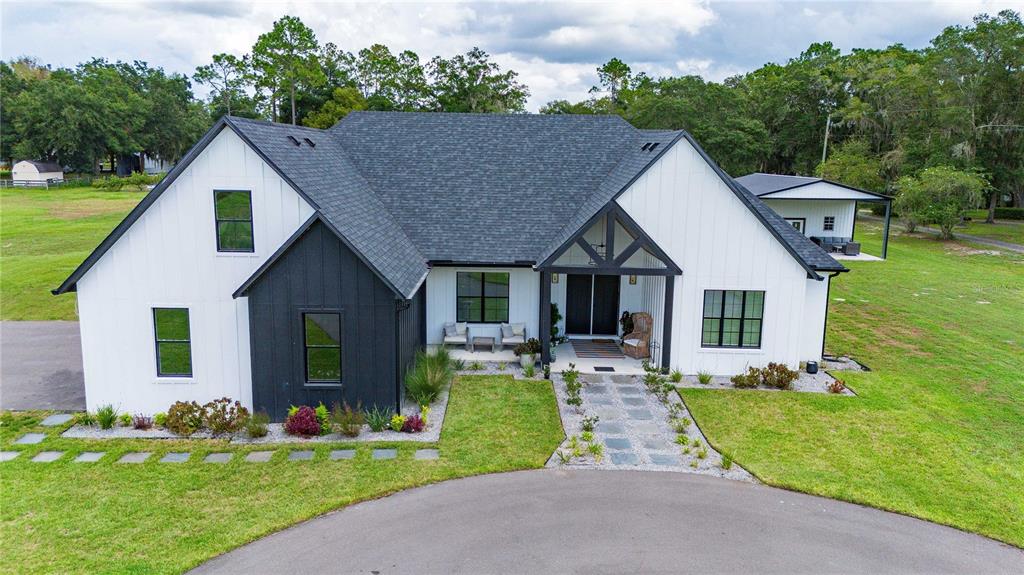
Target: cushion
x=460, y=328
x=518, y=328
x=449, y=329
x=632, y=342
x=506, y=331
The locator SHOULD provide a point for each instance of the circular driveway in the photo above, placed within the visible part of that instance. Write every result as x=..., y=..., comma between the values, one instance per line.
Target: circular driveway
x=553, y=521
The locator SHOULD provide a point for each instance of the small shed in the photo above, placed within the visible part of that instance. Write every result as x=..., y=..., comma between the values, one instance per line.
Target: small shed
x=33, y=173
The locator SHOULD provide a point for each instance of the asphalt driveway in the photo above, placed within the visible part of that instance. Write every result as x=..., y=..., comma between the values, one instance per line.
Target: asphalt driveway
x=41, y=366
x=554, y=521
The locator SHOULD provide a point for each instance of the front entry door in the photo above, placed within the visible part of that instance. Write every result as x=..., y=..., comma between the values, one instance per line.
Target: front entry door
x=592, y=304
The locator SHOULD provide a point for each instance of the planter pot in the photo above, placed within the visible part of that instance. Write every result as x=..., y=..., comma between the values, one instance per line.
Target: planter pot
x=527, y=359
x=812, y=367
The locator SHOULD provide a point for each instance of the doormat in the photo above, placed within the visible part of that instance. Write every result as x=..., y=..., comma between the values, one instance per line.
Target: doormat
x=604, y=369
x=596, y=349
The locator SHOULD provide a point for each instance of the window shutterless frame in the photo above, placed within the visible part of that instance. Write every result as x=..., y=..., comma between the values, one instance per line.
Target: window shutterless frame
x=829, y=224
x=224, y=220
x=319, y=348
x=745, y=315
x=170, y=344
x=482, y=298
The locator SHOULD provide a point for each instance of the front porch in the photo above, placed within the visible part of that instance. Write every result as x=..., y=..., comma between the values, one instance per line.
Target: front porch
x=561, y=356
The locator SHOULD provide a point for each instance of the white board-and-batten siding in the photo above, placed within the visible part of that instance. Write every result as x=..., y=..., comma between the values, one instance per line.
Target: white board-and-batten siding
x=523, y=301
x=169, y=258
x=720, y=245
x=814, y=212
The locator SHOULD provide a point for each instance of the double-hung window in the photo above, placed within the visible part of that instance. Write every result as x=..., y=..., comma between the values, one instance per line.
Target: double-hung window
x=732, y=318
x=233, y=211
x=322, y=340
x=173, y=342
x=481, y=297
x=829, y=224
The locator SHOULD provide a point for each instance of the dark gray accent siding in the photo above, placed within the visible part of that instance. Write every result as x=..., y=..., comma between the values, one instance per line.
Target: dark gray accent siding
x=319, y=273
x=411, y=332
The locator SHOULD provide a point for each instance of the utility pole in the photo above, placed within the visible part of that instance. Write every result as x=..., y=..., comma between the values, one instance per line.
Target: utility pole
x=828, y=127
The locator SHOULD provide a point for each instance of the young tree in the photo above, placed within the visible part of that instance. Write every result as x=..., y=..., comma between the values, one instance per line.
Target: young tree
x=941, y=195
x=390, y=82
x=227, y=75
x=343, y=101
x=286, y=61
x=470, y=82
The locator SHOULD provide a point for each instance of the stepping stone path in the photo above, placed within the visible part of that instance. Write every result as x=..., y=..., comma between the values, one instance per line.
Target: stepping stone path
x=47, y=456
x=342, y=454
x=8, y=455
x=385, y=453
x=136, y=457
x=89, y=456
x=426, y=454
x=56, y=419
x=31, y=439
x=218, y=458
x=300, y=456
x=175, y=457
x=259, y=456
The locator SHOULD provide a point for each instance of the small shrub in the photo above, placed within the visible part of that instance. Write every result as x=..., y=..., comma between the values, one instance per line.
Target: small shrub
x=702, y=453
x=697, y=444
x=837, y=386
x=748, y=380
x=547, y=371
x=778, y=376
x=397, y=422
x=574, y=400
x=222, y=416
x=589, y=422
x=378, y=418
x=475, y=366
x=303, y=422
x=563, y=457
x=502, y=366
x=458, y=364
x=694, y=464
x=704, y=377
x=680, y=425
x=652, y=380
x=570, y=375
x=85, y=418
x=428, y=378
x=323, y=417
x=140, y=421
x=184, y=417
x=1010, y=213
x=256, y=425
x=413, y=424
x=106, y=416
x=532, y=346
x=676, y=376
x=682, y=440
x=529, y=372
x=160, y=419
x=424, y=412
x=348, y=421
x=125, y=419
x=597, y=450
x=675, y=410
x=587, y=436
x=726, y=461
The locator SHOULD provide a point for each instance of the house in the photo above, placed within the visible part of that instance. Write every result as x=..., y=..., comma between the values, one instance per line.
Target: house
x=33, y=173
x=282, y=265
x=823, y=210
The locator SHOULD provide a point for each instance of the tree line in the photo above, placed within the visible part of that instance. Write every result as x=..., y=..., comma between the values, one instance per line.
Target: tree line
x=867, y=118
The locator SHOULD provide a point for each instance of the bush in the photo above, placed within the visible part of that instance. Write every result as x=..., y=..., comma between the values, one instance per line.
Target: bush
x=531, y=346
x=160, y=419
x=778, y=376
x=428, y=378
x=85, y=418
x=1010, y=213
x=141, y=421
x=397, y=422
x=836, y=386
x=413, y=424
x=185, y=418
x=134, y=181
x=676, y=376
x=222, y=416
x=529, y=372
x=726, y=461
x=257, y=425
x=747, y=380
x=106, y=416
x=589, y=422
x=323, y=417
x=125, y=419
x=303, y=422
x=347, y=420
x=378, y=418
x=704, y=377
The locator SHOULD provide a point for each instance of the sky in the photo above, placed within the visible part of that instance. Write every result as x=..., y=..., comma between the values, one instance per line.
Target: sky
x=555, y=47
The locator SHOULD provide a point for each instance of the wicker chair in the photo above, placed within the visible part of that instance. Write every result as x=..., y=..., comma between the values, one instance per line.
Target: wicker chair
x=636, y=344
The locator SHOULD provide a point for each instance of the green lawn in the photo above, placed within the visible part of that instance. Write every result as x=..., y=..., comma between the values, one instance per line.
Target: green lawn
x=937, y=429
x=44, y=235
x=66, y=517
x=1005, y=230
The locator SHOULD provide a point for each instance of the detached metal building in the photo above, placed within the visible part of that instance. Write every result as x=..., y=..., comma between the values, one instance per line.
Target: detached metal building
x=33, y=173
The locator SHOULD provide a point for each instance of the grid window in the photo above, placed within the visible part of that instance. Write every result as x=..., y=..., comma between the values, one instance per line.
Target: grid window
x=732, y=318
x=173, y=342
x=233, y=210
x=322, y=340
x=481, y=297
x=830, y=223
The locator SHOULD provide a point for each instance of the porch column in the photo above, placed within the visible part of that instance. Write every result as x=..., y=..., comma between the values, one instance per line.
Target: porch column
x=885, y=232
x=545, y=318
x=666, y=329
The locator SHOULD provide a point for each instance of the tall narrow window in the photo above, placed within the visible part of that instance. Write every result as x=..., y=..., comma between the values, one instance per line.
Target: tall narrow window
x=234, y=220
x=481, y=297
x=322, y=340
x=732, y=318
x=173, y=342
x=829, y=224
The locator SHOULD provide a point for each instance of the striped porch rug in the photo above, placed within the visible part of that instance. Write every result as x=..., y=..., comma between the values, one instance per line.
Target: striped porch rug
x=596, y=348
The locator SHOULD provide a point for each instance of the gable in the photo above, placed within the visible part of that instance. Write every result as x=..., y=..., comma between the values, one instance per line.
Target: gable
x=822, y=190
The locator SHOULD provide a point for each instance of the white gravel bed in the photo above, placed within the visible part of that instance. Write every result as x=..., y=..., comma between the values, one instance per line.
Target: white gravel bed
x=94, y=432
x=805, y=382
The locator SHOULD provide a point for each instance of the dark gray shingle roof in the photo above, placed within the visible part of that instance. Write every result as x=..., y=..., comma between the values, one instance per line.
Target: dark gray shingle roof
x=45, y=166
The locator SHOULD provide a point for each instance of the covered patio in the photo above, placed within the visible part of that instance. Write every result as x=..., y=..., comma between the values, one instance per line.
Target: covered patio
x=561, y=356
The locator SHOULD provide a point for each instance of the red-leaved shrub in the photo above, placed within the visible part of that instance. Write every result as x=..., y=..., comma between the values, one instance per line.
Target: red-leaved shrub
x=303, y=422
x=836, y=386
x=413, y=424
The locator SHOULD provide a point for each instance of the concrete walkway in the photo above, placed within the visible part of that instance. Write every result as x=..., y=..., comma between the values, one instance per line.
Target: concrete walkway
x=552, y=521
x=41, y=366
x=965, y=237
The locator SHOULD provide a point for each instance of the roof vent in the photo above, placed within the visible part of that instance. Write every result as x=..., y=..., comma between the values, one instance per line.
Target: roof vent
x=310, y=142
x=293, y=140
x=654, y=145
x=644, y=147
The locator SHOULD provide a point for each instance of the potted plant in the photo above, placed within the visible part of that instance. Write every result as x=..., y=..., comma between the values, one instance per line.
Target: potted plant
x=527, y=352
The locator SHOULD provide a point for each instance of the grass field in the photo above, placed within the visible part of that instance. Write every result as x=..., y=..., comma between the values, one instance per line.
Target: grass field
x=44, y=235
x=937, y=429
x=105, y=517
x=1005, y=230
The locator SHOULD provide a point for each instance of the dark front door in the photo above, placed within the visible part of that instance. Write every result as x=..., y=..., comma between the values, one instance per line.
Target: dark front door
x=578, y=291
x=606, y=305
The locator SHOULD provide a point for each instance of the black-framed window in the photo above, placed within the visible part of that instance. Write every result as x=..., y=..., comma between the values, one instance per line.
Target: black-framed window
x=732, y=318
x=829, y=224
x=322, y=342
x=173, y=342
x=233, y=211
x=481, y=297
